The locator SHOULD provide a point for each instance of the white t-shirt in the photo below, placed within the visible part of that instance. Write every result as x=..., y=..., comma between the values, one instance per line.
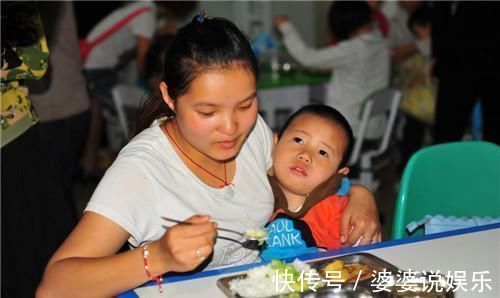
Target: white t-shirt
x=399, y=33
x=149, y=180
x=360, y=67
x=106, y=54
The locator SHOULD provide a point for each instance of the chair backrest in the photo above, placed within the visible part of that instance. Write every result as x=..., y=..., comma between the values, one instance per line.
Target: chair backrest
x=126, y=96
x=383, y=102
x=455, y=179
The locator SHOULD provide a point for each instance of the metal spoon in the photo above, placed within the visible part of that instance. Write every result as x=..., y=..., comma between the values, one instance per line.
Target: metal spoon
x=248, y=244
x=219, y=229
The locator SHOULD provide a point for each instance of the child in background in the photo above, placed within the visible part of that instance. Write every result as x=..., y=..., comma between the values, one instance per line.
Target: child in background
x=413, y=77
x=360, y=60
x=379, y=17
x=309, y=162
x=420, y=26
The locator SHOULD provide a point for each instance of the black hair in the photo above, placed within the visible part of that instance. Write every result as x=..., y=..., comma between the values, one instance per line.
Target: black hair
x=179, y=9
x=18, y=28
x=155, y=57
x=329, y=113
x=345, y=17
x=203, y=44
x=420, y=17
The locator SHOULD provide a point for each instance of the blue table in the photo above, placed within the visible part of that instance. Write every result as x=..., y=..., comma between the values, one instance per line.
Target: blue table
x=471, y=250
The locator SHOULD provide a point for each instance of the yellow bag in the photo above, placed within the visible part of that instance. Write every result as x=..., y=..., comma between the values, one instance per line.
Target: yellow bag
x=413, y=78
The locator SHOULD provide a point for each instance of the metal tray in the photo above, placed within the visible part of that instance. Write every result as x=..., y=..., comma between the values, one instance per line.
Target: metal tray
x=436, y=280
x=362, y=289
x=325, y=292
x=372, y=262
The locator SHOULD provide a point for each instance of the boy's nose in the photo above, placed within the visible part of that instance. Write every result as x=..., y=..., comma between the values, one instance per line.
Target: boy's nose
x=304, y=157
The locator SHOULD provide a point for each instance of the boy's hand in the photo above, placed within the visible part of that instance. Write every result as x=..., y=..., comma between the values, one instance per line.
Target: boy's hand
x=278, y=20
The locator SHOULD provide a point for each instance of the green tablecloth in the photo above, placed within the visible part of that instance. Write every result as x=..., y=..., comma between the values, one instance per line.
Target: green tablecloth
x=270, y=80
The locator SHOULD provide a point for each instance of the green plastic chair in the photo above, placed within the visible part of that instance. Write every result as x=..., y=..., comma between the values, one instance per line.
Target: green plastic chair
x=455, y=179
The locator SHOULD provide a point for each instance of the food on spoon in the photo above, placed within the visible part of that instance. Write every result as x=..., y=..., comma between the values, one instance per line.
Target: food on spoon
x=261, y=281
x=257, y=233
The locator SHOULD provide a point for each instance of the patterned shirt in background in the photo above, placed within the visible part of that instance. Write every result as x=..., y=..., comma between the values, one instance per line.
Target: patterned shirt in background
x=17, y=113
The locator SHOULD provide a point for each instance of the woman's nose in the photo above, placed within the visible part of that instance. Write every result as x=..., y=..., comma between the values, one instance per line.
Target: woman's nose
x=229, y=125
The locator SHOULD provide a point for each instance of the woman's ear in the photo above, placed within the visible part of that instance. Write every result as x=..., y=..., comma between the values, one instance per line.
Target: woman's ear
x=166, y=97
x=344, y=171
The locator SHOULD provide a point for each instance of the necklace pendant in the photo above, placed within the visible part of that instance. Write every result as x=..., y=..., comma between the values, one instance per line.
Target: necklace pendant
x=228, y=192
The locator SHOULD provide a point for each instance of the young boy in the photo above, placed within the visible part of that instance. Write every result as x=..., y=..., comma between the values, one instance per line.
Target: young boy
x=309, y=165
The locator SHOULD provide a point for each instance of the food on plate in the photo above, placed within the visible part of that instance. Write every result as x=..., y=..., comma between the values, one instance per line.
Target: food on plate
x=261, y=281
x=348, y=272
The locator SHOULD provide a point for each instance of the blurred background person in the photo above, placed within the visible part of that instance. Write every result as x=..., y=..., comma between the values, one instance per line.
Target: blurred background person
x=62, y=103
x=360, y=59
x=378, y=16
x=379, y=19
x=35, y=216
x=135, y=23
x=133, y=26
x=466, y=47
x=402, y=42
x=413, y=77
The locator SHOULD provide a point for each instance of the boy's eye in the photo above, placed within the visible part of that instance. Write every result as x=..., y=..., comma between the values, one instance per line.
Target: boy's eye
x=323, y=153
x=298, y=140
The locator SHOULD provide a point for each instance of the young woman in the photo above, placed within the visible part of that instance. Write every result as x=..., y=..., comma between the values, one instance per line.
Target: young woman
x=209, y=155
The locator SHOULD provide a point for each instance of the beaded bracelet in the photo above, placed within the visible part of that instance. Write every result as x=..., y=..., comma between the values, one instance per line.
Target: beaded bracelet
x=158, y=279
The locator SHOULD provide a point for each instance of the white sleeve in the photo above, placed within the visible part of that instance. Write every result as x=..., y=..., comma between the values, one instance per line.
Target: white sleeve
x=424, y=46
x=340, y=54
x=265, y=136
x=124, y=195
x=144, y=24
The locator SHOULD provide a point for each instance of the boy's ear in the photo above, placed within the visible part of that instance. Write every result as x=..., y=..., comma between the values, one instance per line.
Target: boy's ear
x=344, y=171
x=275, y=139
x=166, y=97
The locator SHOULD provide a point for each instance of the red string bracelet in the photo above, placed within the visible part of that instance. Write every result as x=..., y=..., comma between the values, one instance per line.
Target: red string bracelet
x=158, y=279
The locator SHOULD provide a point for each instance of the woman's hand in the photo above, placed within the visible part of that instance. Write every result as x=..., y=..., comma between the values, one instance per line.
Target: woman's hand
x=359, y=222
x=184, y=247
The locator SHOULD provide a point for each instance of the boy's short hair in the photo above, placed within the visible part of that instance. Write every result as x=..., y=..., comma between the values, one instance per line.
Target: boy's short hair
x=329, y=113
x=345, y=17
x=420, y=17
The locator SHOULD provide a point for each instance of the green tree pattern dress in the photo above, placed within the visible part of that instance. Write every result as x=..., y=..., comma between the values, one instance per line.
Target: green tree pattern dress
x=17, y=113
